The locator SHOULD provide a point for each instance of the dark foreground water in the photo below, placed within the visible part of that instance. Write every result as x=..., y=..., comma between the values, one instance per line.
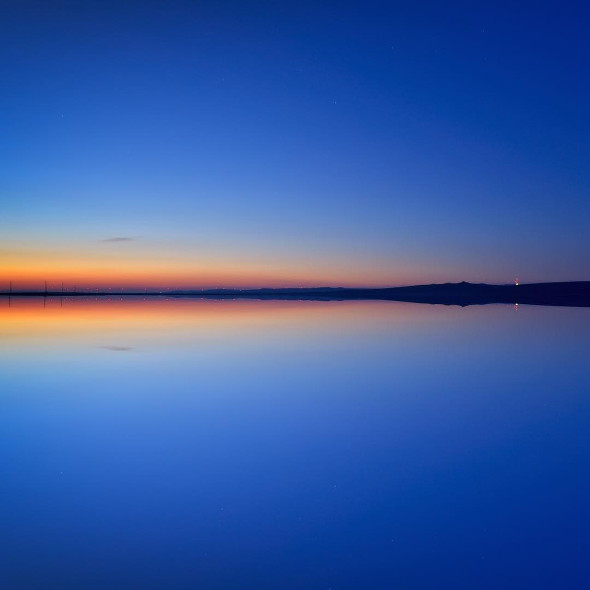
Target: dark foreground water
x=293, y=445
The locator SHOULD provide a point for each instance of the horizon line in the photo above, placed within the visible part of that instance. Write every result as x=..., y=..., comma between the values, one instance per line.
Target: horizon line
x=163, y=290
x=568, y=294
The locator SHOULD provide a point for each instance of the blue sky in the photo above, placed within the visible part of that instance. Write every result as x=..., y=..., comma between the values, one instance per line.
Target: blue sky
x=301, y=143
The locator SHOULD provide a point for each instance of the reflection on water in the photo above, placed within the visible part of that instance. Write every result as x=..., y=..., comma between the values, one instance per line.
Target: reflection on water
x=246, y=444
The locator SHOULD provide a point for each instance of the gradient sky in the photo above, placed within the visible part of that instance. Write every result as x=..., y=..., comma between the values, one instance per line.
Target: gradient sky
x=304, y=143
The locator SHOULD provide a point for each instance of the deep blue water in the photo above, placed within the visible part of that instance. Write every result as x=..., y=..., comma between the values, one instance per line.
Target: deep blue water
x=300, y=445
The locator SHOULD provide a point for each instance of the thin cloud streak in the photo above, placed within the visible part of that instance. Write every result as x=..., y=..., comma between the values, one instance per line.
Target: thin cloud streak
x=119, y=239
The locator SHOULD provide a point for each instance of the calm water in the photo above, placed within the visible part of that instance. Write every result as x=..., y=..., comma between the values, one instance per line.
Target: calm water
x=293, y=445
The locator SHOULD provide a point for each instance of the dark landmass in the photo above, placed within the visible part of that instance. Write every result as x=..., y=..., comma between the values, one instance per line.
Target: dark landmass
x=573, y=294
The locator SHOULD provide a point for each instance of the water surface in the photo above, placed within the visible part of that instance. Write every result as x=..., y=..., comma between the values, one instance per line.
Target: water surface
x=249, y=444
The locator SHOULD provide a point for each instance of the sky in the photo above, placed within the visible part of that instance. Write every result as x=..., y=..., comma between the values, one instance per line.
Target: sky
x=204, y=144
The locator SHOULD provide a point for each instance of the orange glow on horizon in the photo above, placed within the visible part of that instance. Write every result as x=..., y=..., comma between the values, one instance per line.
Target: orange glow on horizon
x=139, y=267
x=33, y=276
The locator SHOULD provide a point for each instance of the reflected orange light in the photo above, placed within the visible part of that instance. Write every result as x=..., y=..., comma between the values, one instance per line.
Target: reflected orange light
x=138, y=320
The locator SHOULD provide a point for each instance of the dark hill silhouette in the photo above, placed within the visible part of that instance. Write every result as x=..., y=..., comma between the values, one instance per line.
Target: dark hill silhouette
x=565, y=294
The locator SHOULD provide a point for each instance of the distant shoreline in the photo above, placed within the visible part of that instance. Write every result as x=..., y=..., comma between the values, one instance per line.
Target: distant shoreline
x=570, y=294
